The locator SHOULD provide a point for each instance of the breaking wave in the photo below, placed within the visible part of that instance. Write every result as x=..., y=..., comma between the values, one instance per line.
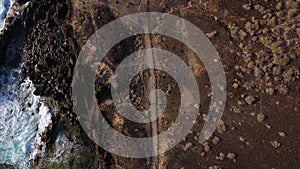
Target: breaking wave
x=23, y=119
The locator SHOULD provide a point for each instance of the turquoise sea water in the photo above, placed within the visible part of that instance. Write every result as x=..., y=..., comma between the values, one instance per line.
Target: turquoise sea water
x=23, y=118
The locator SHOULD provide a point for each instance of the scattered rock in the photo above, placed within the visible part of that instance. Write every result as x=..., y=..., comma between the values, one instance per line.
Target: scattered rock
x=233, y=29
x=290, y=75
x=249, y=85
x=231, y=95
x=214, y=167
x=241, y=46
x=212, y=34
x=259, y=8
x=243, y=34
x=206, y=147
x=205, y=117
x=293, y=13
x=258, y=73
x=283, y=89
x=280, y=6
x=221, y=157
x=236, y=110
x=268, y=126
x=250, y=28
x=251, y=100
x=251, y=65
x=290, y=4
x=261, y=117
x=247, y=6
x=285, y=61
x=231, y=156
x=272, y=21
x=241, y=103
x=282, y=134
x=242, y=139
x=222, y=128
x=187, y=146
x=235, y=85
x=269, y=42
x=275, y=144
x=270, y=91
x=216, y=140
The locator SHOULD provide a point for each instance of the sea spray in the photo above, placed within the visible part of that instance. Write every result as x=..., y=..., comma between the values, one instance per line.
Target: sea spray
x=4, y=8
x=64, y=149
x=23, y=120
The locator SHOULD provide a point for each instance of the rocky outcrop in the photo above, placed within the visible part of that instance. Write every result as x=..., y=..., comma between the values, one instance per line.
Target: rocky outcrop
x=38, y=35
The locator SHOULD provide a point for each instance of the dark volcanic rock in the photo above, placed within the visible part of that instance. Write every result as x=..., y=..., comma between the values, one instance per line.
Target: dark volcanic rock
x=44, y=42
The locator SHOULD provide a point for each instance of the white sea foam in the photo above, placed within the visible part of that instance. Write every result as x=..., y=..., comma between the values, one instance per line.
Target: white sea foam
x=4, y=8
x=65, y=148
x=23, y=119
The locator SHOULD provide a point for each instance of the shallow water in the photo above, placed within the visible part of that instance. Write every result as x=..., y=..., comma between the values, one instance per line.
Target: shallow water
x=23, y=118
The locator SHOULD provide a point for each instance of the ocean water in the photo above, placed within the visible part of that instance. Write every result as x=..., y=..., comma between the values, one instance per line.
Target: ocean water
x=23, y=119
x=4, y=8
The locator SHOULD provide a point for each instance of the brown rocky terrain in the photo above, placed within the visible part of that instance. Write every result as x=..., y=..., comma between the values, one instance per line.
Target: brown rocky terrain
x=258, y=42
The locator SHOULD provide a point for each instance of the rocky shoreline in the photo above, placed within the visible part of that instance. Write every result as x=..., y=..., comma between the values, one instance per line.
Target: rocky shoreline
x=36, y=38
